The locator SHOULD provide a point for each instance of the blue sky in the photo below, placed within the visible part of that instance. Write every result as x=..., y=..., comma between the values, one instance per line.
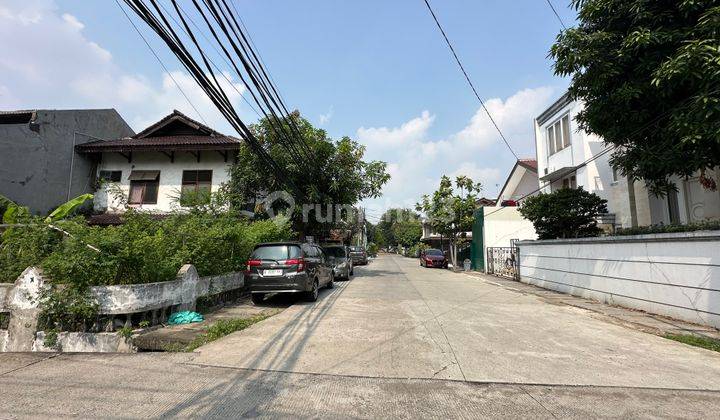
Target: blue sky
x=377, y=71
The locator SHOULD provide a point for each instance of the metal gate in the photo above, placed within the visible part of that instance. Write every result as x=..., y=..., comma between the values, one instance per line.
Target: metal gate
x=503, y=262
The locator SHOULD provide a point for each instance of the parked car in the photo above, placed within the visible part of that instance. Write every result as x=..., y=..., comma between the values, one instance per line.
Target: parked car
x=288, y=267
x=358, y=255
x=339, y=258
x=433, y=258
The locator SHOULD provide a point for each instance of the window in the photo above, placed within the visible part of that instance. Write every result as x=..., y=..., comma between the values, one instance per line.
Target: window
x=335, y=251
x=558, y=135
x=570, y=182
x=110, y=176
x=144, y=187
x=275, y=252
x=614, y=175
x=196, y=187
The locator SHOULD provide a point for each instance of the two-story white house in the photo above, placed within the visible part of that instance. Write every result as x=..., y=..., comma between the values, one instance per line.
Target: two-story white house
x=152, y=169
x=566, y=157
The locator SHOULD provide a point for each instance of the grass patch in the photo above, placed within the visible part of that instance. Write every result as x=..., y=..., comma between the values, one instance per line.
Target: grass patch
x=219, y=330
x=693, y=340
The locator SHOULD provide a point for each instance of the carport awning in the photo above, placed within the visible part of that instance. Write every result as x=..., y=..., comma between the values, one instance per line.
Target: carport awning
x=144, y=175
x=558, y=173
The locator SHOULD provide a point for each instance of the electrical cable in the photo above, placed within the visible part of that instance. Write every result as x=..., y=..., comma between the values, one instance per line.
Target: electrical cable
x=467, y=78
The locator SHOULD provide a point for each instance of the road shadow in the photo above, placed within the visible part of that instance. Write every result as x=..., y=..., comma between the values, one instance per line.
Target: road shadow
x=280, y=352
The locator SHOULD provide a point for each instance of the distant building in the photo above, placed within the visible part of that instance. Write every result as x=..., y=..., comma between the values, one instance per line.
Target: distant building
x=156, y=167
x=563, y=152
x=39, y=167
x=522, y=182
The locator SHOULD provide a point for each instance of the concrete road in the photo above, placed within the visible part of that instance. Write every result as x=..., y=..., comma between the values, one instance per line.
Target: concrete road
x=396, y=341
x=400, y=320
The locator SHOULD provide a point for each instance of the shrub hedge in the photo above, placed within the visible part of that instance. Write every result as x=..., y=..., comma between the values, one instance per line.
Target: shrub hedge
x=144, y=249
x=690, y=227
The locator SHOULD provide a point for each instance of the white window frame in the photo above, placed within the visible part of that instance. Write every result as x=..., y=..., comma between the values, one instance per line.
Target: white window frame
x=560, y=127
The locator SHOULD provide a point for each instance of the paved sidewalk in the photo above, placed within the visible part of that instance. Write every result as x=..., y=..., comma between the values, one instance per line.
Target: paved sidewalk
x=636, y=319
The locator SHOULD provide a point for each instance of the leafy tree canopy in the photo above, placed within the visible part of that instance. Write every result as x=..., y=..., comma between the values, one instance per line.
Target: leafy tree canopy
x=450, y=209
x=338, y=174
x=649, y=74
x=387, y=232
x=565, y=213
x=408, y=232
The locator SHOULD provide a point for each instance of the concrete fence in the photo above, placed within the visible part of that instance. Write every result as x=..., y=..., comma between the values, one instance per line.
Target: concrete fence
x=672, y=274
x=118, y=306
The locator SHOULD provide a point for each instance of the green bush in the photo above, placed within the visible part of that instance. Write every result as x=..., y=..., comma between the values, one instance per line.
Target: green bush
x=690, y=227
x=414, y=251
x=565, y=213
x=144, y=249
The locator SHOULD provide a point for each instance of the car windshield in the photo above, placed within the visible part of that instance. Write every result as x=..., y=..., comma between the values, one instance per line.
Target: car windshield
x=335, y=251
x=433, y=252
x=276, y=252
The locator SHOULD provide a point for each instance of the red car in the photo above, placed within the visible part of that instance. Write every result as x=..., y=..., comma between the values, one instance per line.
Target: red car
x=433, y=258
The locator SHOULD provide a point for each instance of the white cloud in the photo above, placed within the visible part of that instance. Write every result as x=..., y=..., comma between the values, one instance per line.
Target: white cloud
x=325, y=118
x=413, y=130
x=513, y=116
x=52, y=64
x=416, y=161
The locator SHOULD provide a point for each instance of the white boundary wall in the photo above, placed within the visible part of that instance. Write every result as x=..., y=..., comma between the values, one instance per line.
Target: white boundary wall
x=502, y=224
x=672, y=274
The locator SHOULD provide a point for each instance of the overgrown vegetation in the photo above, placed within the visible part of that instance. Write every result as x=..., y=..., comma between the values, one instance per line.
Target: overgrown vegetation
x=694, y=340
x=690, y=227
x=219, y=330
x=144, y=249
x=565, y=213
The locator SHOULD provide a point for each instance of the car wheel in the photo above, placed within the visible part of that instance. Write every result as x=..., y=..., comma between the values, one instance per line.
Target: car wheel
x=312, y=295
x=257, y=298
x=331, y=283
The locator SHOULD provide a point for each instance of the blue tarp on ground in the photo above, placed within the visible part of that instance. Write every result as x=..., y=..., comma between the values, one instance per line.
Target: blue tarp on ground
x=185, y=317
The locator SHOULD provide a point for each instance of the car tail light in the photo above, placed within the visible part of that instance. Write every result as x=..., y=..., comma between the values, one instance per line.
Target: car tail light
x=300, y=262
x=253, y=263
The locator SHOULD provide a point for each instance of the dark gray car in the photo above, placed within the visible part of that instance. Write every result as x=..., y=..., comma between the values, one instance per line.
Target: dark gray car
x=339, y=257
x=288, y=267
x=358, y=255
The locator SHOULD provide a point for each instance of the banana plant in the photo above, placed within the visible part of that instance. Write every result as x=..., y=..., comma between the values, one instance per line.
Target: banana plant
x=13, y=211
x=65, y=209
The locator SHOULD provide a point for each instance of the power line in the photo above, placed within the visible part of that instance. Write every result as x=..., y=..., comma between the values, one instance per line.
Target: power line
x=159, y=23
x=160, y=61
x=222, y=23
x=462, y=68
x=556, y=14
x=209, y=59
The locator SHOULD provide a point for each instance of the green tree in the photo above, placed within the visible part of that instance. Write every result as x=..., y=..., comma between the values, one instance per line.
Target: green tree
x=337, y=175
x=565, y=213
x=450, y=210
x=649, y=74
x=391, y=218
x=407, y=232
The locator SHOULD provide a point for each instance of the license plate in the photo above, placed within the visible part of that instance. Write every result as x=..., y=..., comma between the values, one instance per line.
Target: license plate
x=272, y=272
